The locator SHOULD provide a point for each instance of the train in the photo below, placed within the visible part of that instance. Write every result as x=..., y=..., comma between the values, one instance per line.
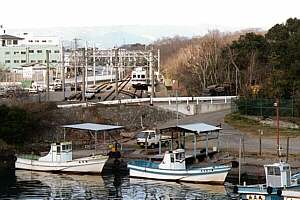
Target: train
x=140, y=78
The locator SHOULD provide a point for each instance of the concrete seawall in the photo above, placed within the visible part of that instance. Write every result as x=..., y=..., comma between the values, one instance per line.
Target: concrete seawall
x=193, y=108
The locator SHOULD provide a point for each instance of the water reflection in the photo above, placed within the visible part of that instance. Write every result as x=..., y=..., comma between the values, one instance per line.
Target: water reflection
x=41, y=185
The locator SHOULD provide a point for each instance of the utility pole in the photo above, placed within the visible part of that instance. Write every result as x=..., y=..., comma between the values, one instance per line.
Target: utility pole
x=151, y=76
x=158, y=62
x=86, y=66
x=116, y=50
x=75, y=62
x=94, y=63
x=83, y=76
x=63, y=70
x=47, y=74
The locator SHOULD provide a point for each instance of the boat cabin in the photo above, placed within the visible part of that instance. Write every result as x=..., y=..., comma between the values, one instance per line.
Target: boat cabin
x=59, y=152
x=174, y=160
x=278, y=174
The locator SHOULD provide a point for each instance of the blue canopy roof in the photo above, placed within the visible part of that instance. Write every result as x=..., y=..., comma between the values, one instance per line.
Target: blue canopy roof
x=197, y=128
x=93, y=127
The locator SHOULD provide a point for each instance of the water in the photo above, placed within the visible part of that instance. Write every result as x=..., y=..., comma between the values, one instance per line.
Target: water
x=41, y=185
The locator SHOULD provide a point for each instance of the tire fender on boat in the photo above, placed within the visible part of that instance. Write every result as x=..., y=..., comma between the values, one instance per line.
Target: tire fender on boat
x=279, y=192
x=235, y=189
x=269, y=190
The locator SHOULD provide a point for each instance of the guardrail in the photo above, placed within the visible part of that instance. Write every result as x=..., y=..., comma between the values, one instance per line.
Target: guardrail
x=212, y=100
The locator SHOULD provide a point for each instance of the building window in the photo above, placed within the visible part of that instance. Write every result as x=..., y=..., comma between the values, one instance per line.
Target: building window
x=31, y=51
x=49, y=51
x=15, y=41
x=39, y=51
x=37, y=41
x=40, y=61
x=23, y=52
x=30, y=40
x=16, y=52
x=8, y=42
x=16, y=61
x=44, y=41
x=7, y=53
x=23, y=61
x=7, y=61
x=56, y=51
x=54, y=61
x=32, y=61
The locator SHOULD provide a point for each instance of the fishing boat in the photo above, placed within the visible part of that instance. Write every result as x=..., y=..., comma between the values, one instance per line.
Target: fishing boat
x=173, y=168
x=278, y=181
x=60, y=156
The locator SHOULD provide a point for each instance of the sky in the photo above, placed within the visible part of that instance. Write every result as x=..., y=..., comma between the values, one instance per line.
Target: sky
x=78, y=13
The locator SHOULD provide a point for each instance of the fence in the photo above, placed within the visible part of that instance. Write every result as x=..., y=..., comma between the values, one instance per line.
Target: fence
x=266, y=108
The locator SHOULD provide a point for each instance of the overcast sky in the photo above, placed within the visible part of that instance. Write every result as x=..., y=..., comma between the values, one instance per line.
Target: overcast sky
x=70, y=13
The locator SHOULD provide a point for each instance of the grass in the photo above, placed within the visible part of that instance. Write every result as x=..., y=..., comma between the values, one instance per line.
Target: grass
x=250, y=126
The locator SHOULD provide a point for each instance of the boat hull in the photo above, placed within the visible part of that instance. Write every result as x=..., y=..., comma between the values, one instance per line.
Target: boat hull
x=93, y=164
x=199, y=175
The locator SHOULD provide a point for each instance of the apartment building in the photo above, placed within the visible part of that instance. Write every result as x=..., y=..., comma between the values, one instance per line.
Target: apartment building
x=16, y=51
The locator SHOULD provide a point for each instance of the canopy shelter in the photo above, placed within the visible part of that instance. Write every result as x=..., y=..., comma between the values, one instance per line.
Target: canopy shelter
x=92, y=127
x=197, y=129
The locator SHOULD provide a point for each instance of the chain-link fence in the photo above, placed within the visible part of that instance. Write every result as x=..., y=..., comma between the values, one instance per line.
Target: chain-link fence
x=266, y=108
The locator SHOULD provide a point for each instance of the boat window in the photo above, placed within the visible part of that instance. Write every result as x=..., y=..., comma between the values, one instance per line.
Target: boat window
x=286, y=168
x=172, y=158
x=58, y=149
x=275, y=171
x=151, y=135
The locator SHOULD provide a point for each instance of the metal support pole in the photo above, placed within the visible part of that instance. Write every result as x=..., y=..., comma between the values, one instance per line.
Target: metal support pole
x=159, y=147
x=195, y=146
x=86, y=66
x=206, y=145
x=117, y=73
x=218, y=142
x=287, y=148
x=83, y=77
x=75, y=64
x=240, y=160
x=47, y=74
x=146, y=143
x=95, y=142
x=63, y=70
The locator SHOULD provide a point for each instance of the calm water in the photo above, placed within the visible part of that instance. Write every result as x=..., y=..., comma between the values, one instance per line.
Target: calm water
x=40, y=185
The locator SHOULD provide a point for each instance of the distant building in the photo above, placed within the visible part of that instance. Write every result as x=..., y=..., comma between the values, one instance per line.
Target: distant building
x=16, y=51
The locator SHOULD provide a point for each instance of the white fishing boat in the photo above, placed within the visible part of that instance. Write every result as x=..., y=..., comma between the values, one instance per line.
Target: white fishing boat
x=173, y=168
x=278, y=181
x=60, y=156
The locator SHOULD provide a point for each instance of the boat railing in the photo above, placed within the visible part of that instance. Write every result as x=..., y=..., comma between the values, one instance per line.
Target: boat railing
x=143, y=163
x=28, y=156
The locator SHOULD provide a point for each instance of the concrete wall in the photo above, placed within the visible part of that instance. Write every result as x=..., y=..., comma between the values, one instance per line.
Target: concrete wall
x=193, y=108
